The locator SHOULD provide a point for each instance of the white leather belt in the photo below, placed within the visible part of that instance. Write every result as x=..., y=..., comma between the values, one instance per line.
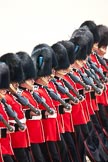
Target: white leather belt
x=52, y=116
x=68, y=111
x=21, y=120
x=38, y=117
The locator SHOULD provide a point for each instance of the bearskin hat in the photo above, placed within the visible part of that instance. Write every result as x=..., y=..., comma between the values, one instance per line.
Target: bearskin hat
x=54, y=60
x=90, y=37
x=71, y=51
x=93, y=28
x=14, y=64
x=103, y=34
x=42, y=56
x=27, y=65
x=61, y=55
x=4, y=76
x=83, y=40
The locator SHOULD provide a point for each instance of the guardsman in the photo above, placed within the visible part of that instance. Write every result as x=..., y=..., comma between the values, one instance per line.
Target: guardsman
x=34, y=115
x=62, y=68
x=100, y=54
x=72, y=54
x=42, y=56
x=61, y=107
x=20, y=138
x=100, y=87
x=5, y=141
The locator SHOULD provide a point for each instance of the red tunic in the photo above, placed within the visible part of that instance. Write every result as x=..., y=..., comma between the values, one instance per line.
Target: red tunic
x=80, y=111
x=35, y=126
x=6, y=141
x=19, y=139
x=50, y=124
x=102, y=99
x=57, y=104
x=67, y=116
x=91, y=99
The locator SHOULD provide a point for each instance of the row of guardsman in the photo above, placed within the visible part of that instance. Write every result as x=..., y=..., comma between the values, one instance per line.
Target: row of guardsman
x=54, y=103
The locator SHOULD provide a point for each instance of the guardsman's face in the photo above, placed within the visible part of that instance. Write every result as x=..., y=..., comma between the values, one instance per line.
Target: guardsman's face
x=3, y=91
x=30, y=81
x=79, y=63
x=69, y=68
x=15, y=85
x=47, y=78
x=102, y=51
x=95, y=47
x=62, y=72
x=28, y=84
